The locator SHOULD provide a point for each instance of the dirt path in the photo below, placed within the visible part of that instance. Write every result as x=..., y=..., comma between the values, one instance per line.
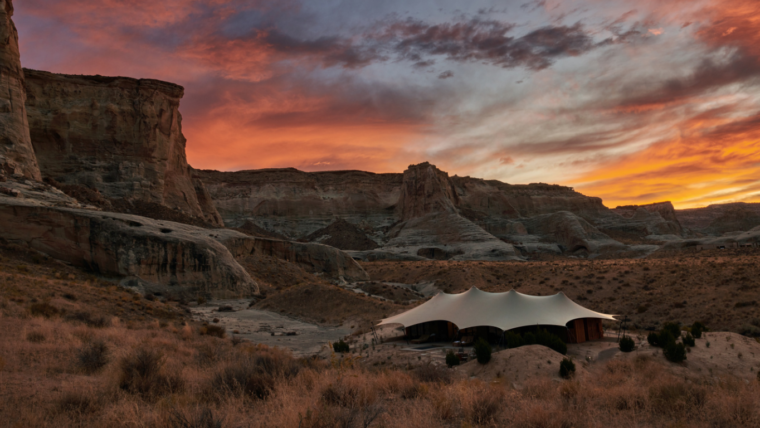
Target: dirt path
x=269, y=328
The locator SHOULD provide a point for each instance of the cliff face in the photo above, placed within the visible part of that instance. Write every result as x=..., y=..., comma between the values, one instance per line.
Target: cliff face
x=295, y=203
x=16, y=153
x=720, y=218
x=118, y=135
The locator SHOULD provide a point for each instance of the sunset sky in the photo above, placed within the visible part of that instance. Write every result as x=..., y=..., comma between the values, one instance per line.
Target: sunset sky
x=632, y=101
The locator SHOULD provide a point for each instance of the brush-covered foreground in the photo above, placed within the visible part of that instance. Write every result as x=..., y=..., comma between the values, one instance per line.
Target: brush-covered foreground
x=56, y=373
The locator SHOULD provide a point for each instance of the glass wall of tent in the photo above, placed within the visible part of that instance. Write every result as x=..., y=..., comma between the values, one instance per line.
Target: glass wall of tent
x=576, y=331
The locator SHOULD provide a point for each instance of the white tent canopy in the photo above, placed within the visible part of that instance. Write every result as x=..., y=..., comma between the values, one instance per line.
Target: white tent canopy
x=502, y=310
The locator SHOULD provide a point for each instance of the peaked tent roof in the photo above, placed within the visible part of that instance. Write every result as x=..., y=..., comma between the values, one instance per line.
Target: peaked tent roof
x=502, y=310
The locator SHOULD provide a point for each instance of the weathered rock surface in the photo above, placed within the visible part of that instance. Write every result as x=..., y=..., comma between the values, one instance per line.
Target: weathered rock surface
x=118, y=135
x=295, y=203
x=343, y=235
x=165, y=256
x=720, y=218
x=17, y=157
x=424, y=213
x=314, y=258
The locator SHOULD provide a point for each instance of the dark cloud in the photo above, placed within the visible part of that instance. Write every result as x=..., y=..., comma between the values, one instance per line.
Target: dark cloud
x=484, y=41
x=446, y=74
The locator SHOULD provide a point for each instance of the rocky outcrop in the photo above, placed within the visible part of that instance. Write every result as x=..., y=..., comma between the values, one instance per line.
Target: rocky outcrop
x=721, y=218
x=159, y=256
x=118, y=135
x=343, y=235
x=652, y=219
x=425, y=190
x=17, y=157
x=318, y=259
x=295, y=203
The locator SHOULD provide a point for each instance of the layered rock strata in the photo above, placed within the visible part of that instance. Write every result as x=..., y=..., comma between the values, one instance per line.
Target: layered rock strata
x=118, y=135
x=17, y=159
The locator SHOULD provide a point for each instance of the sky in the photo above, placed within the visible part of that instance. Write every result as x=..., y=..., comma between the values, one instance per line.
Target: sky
x=631, y=101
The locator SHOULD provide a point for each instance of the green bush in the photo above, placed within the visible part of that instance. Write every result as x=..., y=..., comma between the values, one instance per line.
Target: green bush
x=452, y=359
x=675, y=352
x=697, y=328
x=567, y=368
x=482, y=351
x=665, y=338
x=673, y=328
x=627, y=344
x=341, y=347
x=688, y=340
x=529, y=338
x=514, y=340
x=653, y=339
x=551, y=341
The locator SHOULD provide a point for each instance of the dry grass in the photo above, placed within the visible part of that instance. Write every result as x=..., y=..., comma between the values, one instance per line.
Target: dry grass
x=164, y=377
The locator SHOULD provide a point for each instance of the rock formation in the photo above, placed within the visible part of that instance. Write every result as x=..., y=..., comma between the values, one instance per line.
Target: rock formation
x=721, y=218
x=295, y=203
x=16, y=153
x=118, y=135
x=654, y=219
x=344, y=235
x=160, y=256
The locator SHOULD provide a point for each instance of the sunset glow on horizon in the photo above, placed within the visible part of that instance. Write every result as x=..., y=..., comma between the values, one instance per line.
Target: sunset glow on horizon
x=631, y=101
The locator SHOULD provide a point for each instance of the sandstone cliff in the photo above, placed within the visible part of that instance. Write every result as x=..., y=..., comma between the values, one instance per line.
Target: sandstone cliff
x=16, y=153
x=118, y=135
x=720, y=218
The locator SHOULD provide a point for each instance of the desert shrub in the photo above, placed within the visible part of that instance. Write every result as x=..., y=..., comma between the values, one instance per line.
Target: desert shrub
x=199, y=419
x=676, y=397
x=749, y=330
x=551, y=341
x=87, y=319
x=665, y=339
x=688, y=340
x=482, y=351
x=341, y=347
x=43, y=309
x=673, y=328
x=452, y=359
x=92, y=357
x=653, y=339
x=142, y=373
x=514, y=340
x=566, y=368
x=674, y=352
x=484, y=405
x=35, y=337
x=254, y=376
x=697, y=328
x=213, y=330
x=78, y=402
x=529, y=338
x=432, y=373
x=627, y=344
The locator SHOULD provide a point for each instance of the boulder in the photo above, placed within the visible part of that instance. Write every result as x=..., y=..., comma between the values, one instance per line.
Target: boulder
x=17, y=158
x=118, y=135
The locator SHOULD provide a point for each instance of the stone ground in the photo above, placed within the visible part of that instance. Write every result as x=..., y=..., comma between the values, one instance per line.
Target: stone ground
x=269, y=328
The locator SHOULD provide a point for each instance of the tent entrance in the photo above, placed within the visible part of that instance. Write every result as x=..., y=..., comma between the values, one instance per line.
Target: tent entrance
x=436, y=331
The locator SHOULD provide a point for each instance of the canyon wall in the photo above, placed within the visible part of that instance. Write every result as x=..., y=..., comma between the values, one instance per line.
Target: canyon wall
x=118, y=135
x=17, y=159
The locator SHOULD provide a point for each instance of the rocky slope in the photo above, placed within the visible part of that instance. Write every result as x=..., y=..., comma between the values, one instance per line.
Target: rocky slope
x=17, y=157
x=424, y=213
x=118, y=135
x=720, y=218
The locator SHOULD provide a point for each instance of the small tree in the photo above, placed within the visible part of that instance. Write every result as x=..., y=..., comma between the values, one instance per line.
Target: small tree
x=673, y=328
x=340, y=346
x=688, y=340
x=627, y=344
x=482, y=351
x=567, y=368
x=675, y=352
x=697, y=328
x=653, y=339
x=665, y=338
x=452, y=359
